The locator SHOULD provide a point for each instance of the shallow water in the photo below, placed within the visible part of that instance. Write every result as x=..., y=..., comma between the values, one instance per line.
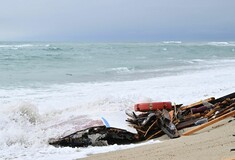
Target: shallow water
x=46, y=84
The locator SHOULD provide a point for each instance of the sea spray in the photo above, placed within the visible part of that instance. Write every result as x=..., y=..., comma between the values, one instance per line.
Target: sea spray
x=47, y=88
x=18, y=123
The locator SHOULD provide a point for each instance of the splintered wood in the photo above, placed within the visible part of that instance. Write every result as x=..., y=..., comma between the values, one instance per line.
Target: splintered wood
x=154, y=122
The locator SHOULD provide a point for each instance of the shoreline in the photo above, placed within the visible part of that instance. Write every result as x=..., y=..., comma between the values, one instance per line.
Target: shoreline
x=214, y=142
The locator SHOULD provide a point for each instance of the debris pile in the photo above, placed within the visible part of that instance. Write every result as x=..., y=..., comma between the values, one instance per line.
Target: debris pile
x=96, y=136
x=153, y=123
x=204, y=111
x=152, y=120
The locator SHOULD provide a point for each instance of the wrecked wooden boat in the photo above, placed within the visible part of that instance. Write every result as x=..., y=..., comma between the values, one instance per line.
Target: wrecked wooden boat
x=152, y=123
x=204, y=111
x=96, y=136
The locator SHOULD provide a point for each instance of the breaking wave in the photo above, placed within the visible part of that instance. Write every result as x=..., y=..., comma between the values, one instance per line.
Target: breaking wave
x=221, y=43
x=33, y=112
x=22, y=45
x=19, y=125
x=172, y=42
x=121, y=70
x=16, y=46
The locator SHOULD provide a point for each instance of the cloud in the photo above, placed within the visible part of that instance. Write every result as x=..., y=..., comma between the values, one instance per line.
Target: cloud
x=121, y=20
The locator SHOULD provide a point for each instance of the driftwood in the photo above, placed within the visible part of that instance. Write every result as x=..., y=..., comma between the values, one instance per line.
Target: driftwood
x=209, y=123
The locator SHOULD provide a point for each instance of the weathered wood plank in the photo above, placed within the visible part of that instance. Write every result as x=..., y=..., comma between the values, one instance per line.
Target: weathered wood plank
x=231, y=95
x=232, y=113
x=196, y=104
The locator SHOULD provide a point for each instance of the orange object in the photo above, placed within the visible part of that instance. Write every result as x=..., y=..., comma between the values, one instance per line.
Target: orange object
x=143, y=107
x=171, y=113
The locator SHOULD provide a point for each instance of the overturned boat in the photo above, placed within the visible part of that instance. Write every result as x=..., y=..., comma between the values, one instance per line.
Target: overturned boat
x=96, y=136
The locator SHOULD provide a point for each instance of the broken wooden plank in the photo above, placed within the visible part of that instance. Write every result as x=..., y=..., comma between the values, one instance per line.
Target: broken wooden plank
x=209, y=123
x=225, y=110
x=155, y=134
x=141, y=131
x=150, y=127
x=191, y=116
x=212, y=111
x=186, y=124
x=196, y=104
x=231, y=95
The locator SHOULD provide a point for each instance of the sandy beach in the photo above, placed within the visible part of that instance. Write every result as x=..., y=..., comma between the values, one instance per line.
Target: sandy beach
x=214, y=142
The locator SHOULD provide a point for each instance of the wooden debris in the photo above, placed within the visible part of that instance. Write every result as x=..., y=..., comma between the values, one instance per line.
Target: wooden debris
x=155, y=134
x=186, y=124
x=209, y=110
x=209, y=123
x=230, y=96
x=196, y=104
x=151, y=124
x=192, y=116
x=154, y=123
x=96, y=136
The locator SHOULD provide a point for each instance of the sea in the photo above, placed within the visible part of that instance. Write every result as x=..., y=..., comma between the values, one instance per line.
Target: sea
x=50, y=89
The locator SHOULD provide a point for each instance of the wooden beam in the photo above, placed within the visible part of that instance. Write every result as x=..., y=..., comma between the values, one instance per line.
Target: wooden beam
x=232, y=113
x=225, y=110
x=158, y=132
x=188, y=123
x=231, y=95
x=196, y=104
x=150, y=127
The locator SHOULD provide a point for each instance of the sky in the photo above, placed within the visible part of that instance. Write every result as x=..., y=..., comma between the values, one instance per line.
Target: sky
x=117, y=20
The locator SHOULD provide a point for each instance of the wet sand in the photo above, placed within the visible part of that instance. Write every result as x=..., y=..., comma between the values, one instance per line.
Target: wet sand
x=214, y=142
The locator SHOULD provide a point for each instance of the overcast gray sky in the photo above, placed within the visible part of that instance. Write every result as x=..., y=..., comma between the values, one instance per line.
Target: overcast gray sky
x=117, y=20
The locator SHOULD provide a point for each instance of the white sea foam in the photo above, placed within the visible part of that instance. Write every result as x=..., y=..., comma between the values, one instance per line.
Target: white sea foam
x=27, y=114
x=120, y=70
x=221, y=43
x=172, y=42
x=16, y=46
x=30, y=115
